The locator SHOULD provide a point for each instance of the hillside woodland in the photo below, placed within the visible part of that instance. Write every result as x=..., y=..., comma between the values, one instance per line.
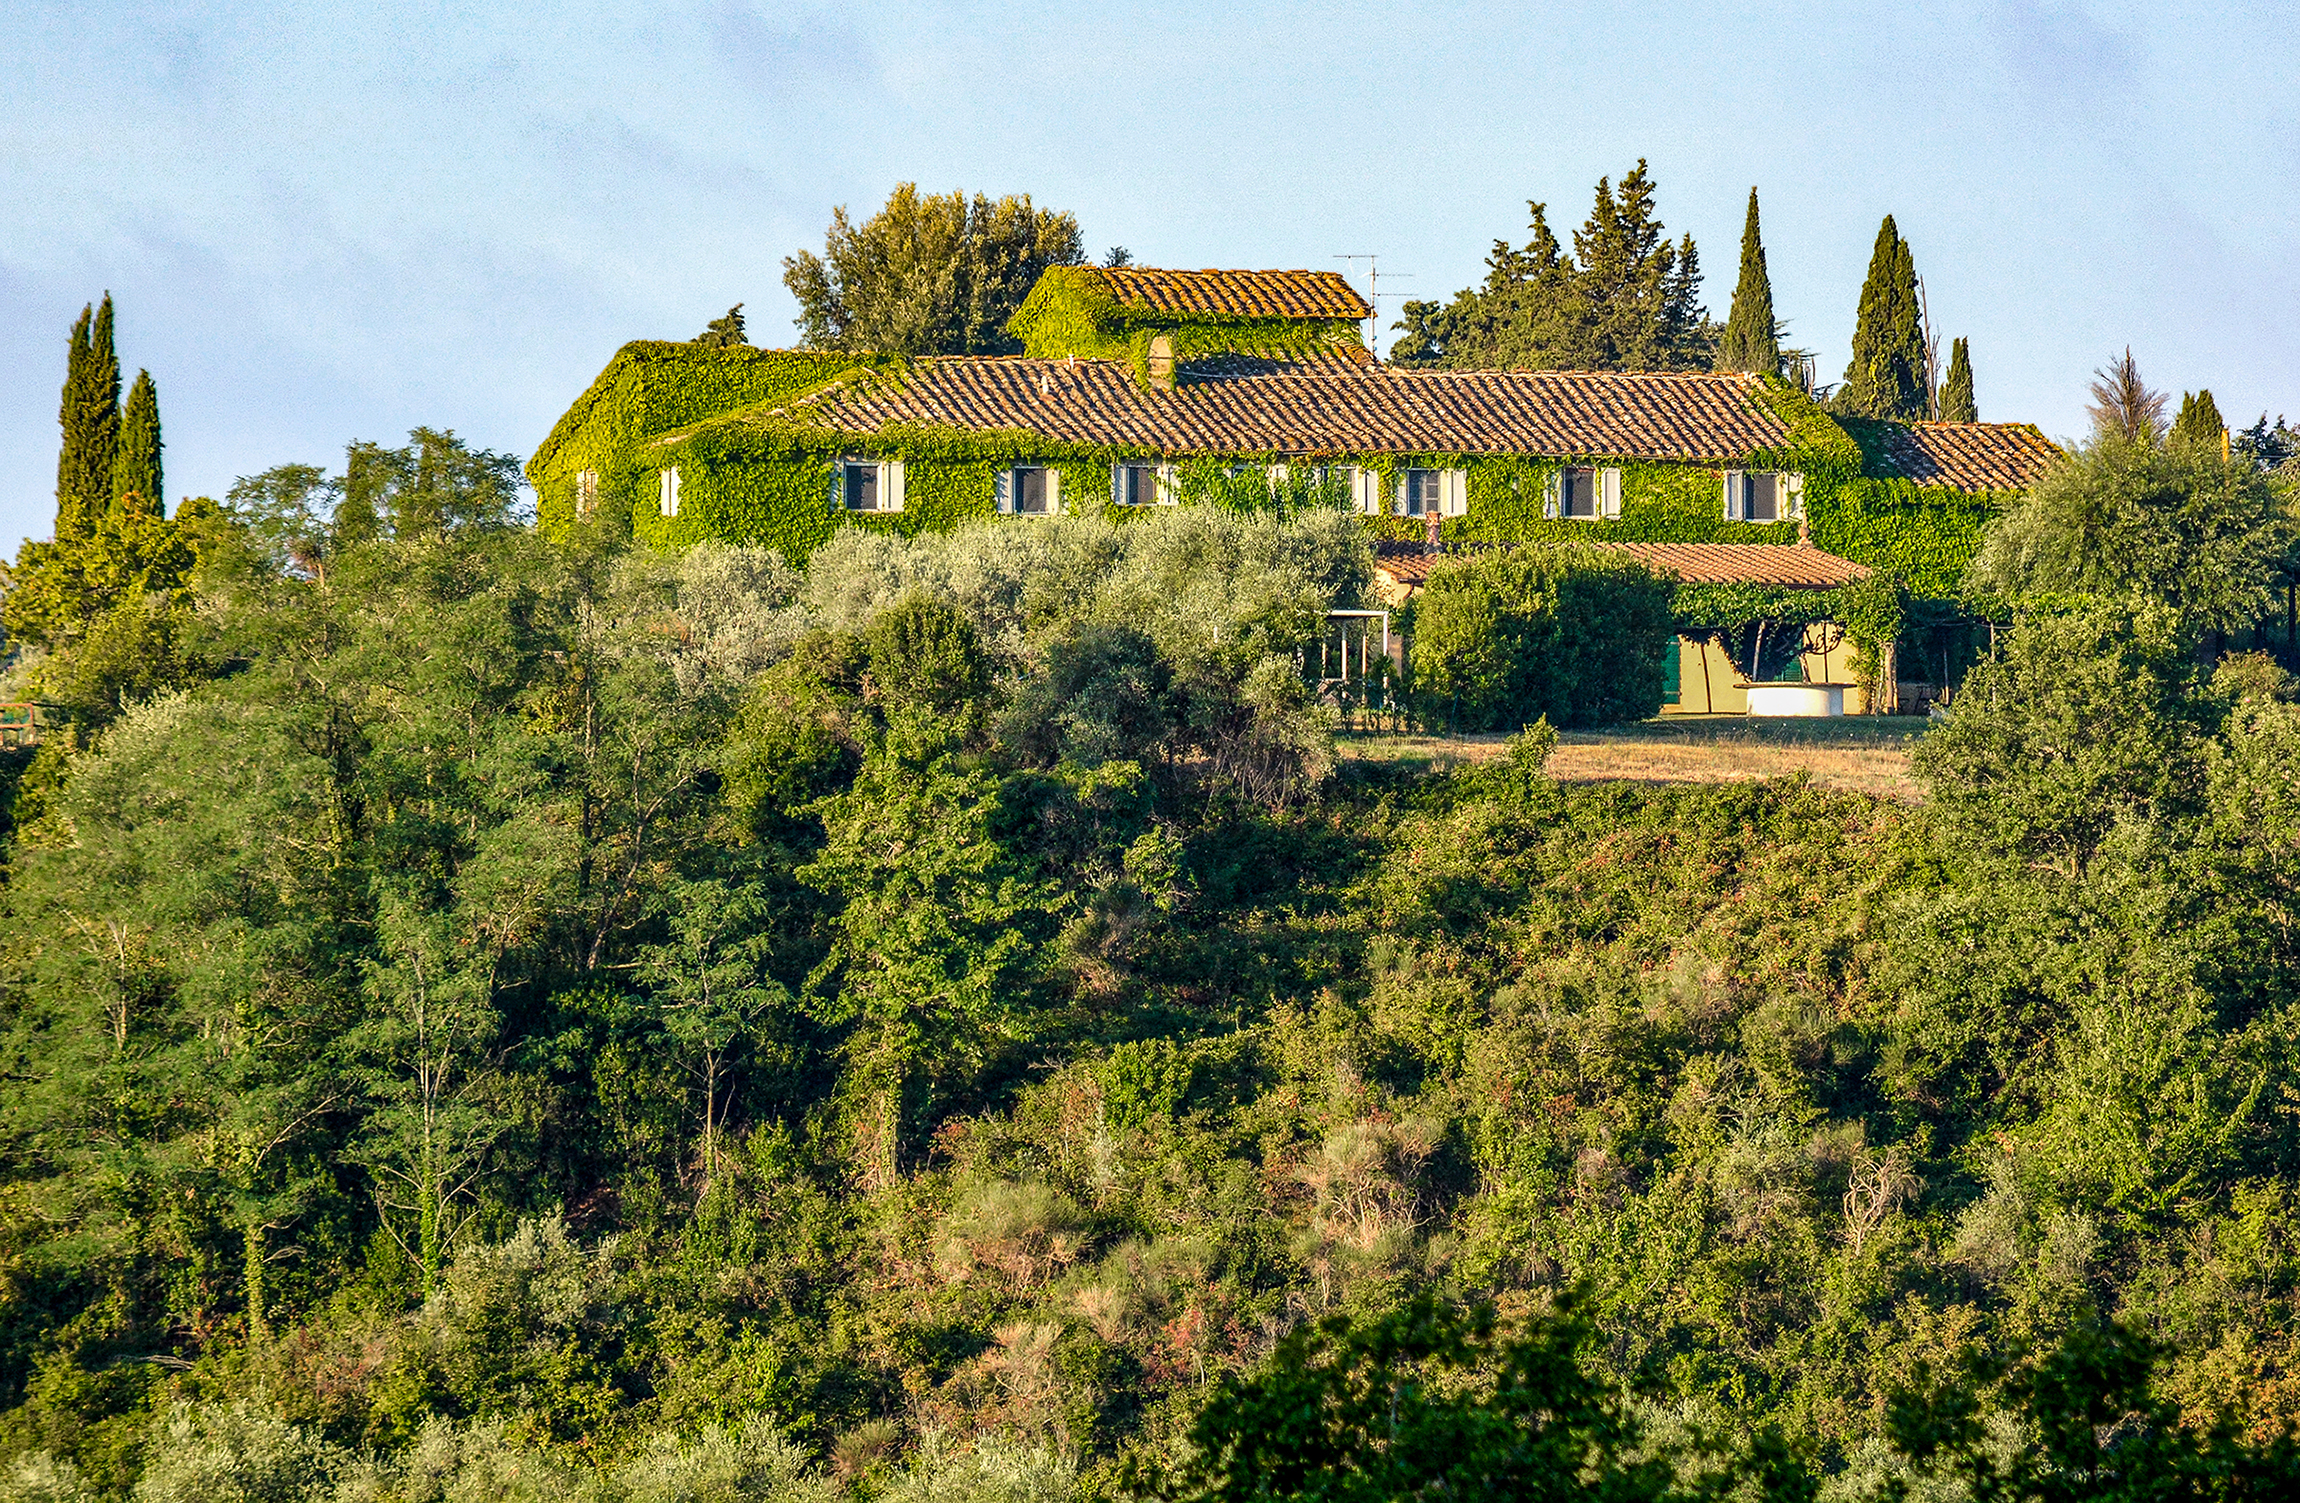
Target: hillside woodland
x=490, y=1019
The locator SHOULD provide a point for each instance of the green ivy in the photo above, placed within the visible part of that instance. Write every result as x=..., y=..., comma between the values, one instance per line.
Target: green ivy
x=1071, y=312
x=652, y=387
x=750, y=473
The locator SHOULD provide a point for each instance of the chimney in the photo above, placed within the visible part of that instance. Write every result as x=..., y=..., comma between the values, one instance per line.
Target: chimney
x=1161, y=363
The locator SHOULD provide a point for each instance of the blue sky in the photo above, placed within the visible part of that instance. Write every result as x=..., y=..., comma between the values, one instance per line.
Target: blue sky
x=326, y=221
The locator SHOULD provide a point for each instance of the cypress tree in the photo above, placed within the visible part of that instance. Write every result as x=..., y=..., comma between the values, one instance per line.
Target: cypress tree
x=2198, y=425
x=1956, y=405
x=1752, y=339
x=90, y=416
x=136, y=482
x=1888, y=376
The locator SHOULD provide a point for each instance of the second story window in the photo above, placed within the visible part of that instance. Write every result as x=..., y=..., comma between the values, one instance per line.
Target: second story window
x=868, y=484
x=1137, y=484
x=1580, y=493
x=1030, y=490
x=1433, y=493
x=586, y=491
x=668, y=492
x=1763, y=496
x=1420, y=493
x=1366, y=488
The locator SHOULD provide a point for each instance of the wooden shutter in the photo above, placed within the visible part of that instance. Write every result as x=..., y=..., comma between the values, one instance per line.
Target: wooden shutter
x=1736, y=507
x=1453, y=492
x=1793, y=496
x=1053, y=491
x=1364, y=496
x=890, y=485
x=669, y=505
x=1165, y=483
x=1006, y=490
x=1552, y=496
x=1609, y=494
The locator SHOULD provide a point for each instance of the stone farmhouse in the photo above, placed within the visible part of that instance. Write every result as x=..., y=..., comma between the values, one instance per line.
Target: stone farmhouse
x=1134, y=380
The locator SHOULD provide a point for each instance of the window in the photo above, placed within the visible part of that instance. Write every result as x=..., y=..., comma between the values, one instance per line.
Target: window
x=1577, y=493
x=1763, y=496
x=669, y=484
x=1433, y=493
x=1030, y=490
x=586, y=491
x=1135, y=485
x=1584, y=494
x=867, y=484
x=1365, y=489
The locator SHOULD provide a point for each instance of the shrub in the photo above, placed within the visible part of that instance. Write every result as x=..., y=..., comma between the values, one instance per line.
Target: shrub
x=1503, y=639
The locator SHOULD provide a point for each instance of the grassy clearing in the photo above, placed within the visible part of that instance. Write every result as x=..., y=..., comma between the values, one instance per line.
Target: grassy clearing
x=1860, y=753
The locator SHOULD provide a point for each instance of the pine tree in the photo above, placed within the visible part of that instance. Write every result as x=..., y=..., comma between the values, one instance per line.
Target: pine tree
x=1752, y=339
x=90, y=416
x=136, y=481
x=1956, y=405
x=1888, y=377
x=2199, y=425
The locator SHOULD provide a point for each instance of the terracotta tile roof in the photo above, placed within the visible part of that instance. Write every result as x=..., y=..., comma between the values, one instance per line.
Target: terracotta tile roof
x=1969, y=456
x=1332, y=360
x=1692, y=417
x=1240, y=294
x=1795, y=565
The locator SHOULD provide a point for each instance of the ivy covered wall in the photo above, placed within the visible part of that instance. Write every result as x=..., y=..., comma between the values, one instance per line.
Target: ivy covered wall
x=1071, y=312
x=751, y=476
x=652, y=387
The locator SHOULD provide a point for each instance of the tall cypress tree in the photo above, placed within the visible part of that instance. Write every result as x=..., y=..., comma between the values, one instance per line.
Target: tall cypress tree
x=1956, y=404
x=90, y=416
x=1752, y=339
x=136, y=482
x=1888, y=376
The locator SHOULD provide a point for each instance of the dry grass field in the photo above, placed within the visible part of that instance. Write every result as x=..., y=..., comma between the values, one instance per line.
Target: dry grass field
x=1863, y=753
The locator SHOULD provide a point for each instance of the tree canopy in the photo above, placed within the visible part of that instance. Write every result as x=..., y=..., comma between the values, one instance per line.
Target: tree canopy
x=1752, y=338
x=1891, y=371
x=928, y=274
x=1624, y=299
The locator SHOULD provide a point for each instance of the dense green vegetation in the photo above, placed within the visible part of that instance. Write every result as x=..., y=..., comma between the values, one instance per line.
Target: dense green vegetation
x=928, y=274
x=1624, y=298
x=488, y=1016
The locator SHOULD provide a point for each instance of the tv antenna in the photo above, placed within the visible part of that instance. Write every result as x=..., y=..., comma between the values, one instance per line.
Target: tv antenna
x=1374, y=292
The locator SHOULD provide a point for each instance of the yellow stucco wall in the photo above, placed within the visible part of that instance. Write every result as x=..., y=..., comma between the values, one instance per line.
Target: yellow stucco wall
x=1707, y=683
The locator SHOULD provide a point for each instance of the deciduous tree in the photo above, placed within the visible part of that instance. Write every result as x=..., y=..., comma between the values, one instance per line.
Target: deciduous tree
x=929, y=274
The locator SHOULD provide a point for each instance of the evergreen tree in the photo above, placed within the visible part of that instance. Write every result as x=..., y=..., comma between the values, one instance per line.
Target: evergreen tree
x=723, y=333
x=2199, y=425
x=1626, y=299
x=136, y=478
x=90, y=415
x=1956, y=404
x=1752, y=340
x=1889, y=375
